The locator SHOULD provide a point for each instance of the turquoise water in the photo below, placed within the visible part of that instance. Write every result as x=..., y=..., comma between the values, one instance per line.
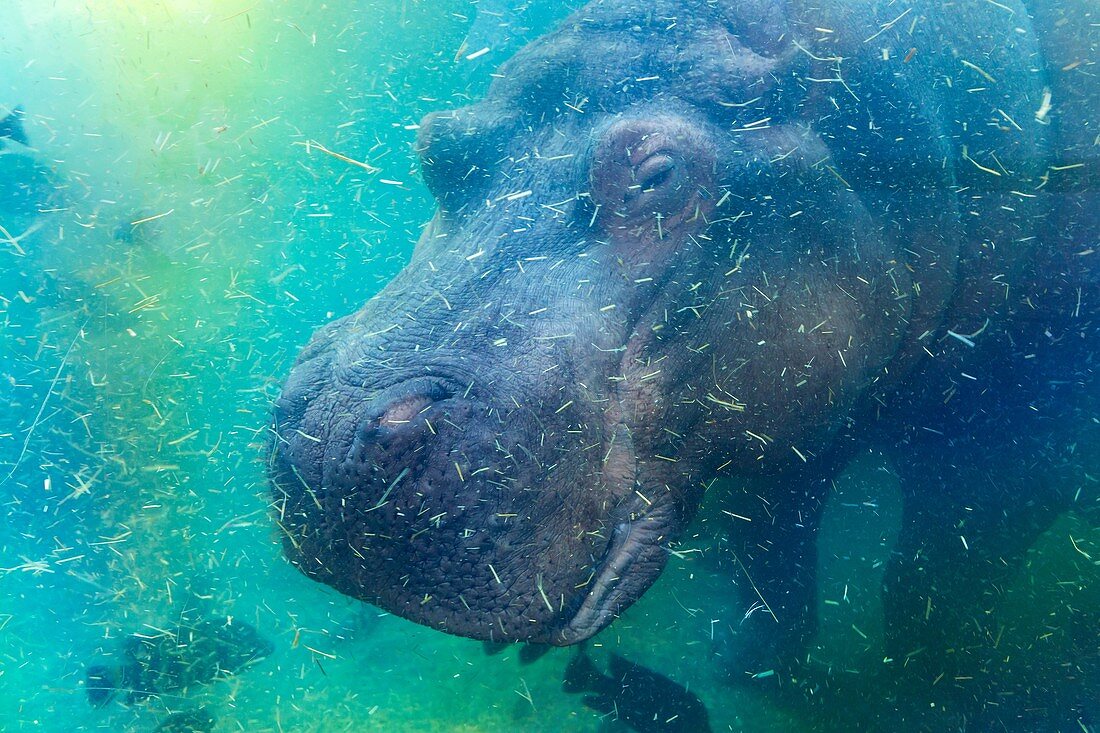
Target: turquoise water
x=199, y=223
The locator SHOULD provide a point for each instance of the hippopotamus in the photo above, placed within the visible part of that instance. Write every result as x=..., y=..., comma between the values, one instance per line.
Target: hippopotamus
x=680, y=241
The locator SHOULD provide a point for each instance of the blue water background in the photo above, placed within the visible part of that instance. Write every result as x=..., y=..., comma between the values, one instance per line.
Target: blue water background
x=140, y=362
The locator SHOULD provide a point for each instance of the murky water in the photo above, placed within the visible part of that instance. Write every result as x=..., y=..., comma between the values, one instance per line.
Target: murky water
x=212, y=181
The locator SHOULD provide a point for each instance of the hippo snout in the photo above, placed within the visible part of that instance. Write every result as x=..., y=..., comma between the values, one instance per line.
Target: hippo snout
x=350, y=441
x=426, y=497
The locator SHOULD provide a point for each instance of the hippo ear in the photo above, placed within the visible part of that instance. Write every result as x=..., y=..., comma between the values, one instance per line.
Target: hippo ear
x=456, y=151
x=658, y=169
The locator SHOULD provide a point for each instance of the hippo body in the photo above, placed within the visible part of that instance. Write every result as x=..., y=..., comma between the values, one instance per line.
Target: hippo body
x=680, y=240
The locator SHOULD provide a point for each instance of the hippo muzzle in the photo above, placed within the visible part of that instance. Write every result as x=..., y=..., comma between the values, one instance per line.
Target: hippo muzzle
x=422, y=497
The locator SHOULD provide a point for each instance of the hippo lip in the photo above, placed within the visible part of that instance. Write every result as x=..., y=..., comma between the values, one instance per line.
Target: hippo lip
x=618, y=582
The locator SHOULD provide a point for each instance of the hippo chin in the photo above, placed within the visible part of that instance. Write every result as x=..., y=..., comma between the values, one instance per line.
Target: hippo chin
x=680, y=240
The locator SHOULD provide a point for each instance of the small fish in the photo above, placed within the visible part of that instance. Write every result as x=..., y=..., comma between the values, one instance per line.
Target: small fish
x=11, y=127
x=638, y=697
x=188, y=721
x=27, y=185
x=195, y=654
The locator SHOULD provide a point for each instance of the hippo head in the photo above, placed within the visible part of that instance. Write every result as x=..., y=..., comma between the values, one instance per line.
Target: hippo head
x=646, y=269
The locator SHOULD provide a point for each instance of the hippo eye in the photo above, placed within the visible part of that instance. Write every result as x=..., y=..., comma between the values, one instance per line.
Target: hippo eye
x=656, y=170
x=654, y=180
x=648, y=167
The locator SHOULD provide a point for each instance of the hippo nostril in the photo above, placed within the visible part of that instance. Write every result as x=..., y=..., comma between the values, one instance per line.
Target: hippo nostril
x=402, y=404
x=404, y=411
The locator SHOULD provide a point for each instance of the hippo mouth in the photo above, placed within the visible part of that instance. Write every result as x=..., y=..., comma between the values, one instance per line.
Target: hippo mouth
x=634, y=559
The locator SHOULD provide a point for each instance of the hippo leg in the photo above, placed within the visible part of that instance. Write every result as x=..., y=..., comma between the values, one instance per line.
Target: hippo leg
x=775, y=570
x=971, y=512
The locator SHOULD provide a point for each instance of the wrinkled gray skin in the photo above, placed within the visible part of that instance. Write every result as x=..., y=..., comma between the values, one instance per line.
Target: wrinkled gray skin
x=679, y=240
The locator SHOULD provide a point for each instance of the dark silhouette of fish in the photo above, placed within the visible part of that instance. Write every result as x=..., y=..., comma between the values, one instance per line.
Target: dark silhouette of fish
x=528, y=653
x=11, y=127
x=187, y=721
x=27, y=186
x=636, y=696
x=196, y=653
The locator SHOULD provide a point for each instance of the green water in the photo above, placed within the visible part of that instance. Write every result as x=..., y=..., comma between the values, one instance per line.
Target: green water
x=143, y=360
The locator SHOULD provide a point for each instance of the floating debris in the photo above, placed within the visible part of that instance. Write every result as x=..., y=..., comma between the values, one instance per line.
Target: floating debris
x=187, y=721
